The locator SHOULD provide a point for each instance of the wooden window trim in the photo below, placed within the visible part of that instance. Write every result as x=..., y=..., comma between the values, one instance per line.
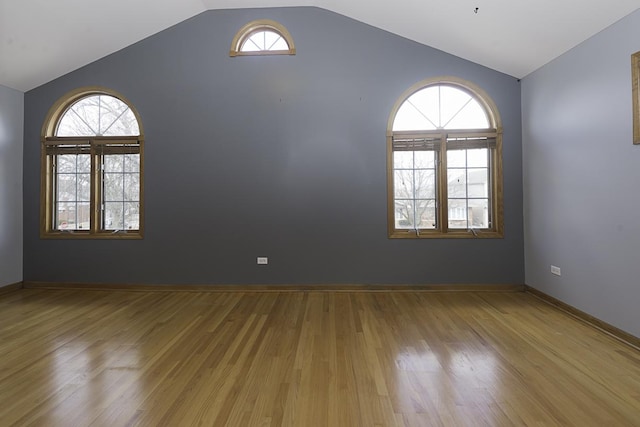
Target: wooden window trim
x=635, y=79
x=497, y=198
x=49, y=141
x=253, y=27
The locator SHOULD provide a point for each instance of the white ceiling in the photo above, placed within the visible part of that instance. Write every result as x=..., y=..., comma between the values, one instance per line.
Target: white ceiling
x=44, y=39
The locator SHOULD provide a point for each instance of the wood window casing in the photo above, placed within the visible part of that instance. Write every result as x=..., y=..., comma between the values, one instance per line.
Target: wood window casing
x=98, y=148
x=441, y=143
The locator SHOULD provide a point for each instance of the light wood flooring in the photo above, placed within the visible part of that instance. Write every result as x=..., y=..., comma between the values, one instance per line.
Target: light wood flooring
x=81, y=358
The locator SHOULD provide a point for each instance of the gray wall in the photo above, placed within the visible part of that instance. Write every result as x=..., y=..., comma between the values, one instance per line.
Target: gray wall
x=272, y=156
x=11, y=124
x=581, y=177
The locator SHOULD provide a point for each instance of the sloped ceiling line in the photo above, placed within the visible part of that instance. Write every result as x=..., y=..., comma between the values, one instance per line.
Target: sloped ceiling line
x=41, y=40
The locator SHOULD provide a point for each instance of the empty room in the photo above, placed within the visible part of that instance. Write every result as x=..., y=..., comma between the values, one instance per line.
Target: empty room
x=319, y=213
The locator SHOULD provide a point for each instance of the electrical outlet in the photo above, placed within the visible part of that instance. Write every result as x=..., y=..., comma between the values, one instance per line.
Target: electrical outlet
x=556, y=270
x=263, y=260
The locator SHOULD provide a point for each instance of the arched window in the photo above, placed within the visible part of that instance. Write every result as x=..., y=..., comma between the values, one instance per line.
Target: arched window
x=262, y=37
x=92, y=163
x=444, y=147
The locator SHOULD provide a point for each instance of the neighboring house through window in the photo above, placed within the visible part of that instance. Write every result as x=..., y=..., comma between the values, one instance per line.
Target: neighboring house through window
x=92, y=164
x=444, y=144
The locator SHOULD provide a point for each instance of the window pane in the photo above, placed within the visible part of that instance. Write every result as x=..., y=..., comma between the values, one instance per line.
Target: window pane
x=477, y=158
x=66, y=189
x=478, y=182
x=417, y=113
x=280, y=44
x=472, y=116
x=254, y=43
x=116, y=118
x=87, y=112
x=403, y=183
x=66, y=215
x=478, y=213
x=403, y=159
x=425, y=159
x=270, y=39
x=440, y=107
x=114, y=216
x=457, y=179
x=72, y=124
x=250, y=46
x=132, y=187
x=458, y=214
x=426, y=212
x=425, y=184
x=456, y=158
x=98, y=115
x=427, y=103
x=83, y=215
x=131, y=216
x=404, y=214
x=132, y=162
x=264, y=40
x=113, y=190
x=126, y=125
x=114, y=163
x=452, y=102
x=72, y=216
x=84, y=187
x=66, y=163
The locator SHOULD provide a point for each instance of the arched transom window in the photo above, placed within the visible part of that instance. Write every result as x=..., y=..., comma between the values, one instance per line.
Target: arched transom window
x=92, y=148
x=262, y=37
x=98, y=115
x=444, y=167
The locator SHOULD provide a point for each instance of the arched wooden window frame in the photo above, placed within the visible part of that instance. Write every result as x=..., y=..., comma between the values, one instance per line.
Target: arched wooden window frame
x=496, y=229
x=47, y=174
x=257, y=26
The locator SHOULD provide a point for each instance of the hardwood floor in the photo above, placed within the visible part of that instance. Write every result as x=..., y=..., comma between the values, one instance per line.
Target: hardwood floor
x=80, y=358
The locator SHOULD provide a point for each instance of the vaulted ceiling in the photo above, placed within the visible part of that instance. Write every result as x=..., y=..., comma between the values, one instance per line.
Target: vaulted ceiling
x=44, y=39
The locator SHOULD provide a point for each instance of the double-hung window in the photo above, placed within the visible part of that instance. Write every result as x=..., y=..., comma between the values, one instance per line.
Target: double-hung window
x=92, y=151
x=444, y=146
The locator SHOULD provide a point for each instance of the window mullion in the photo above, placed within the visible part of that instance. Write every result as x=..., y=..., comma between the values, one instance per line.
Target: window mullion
x=466, y=187
x=443, y=190
x=493, y=203
x=124, y=174
x=52, y=191
x=75, y=189
x=414, y=194
x=94, y=205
